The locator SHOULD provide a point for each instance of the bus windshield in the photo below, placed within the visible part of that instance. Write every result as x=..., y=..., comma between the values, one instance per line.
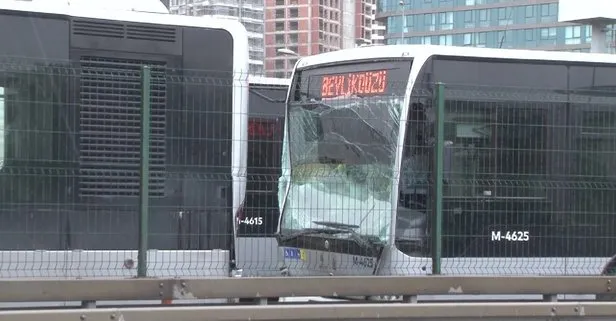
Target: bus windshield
x=341, y=153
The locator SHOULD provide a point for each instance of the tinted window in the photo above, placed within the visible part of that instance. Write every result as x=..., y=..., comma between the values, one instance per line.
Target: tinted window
x=32, y=141
x=494, y=142
x=266, y=111
x=533, y=150
x=264, y=153
x=591, y=167
x=499, y=73
x=2, y=126
x=415, y=183
x=500, y=151
x=38, y=154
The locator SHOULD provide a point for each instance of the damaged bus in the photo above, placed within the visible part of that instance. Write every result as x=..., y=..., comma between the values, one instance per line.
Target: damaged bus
x=529, y=182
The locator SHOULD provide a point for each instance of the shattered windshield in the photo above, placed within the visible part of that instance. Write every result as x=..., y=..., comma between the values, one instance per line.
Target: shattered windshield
x=340, y=146
x=342, y=155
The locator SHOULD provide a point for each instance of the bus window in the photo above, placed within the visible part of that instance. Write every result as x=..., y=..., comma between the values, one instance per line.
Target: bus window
x=260, y=213
x=497, y=178
x=414, y=186
x=590, y=199
x=32, y=161
x=2, y=133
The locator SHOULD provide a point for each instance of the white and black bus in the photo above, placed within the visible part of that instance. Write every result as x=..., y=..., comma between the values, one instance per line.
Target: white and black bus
x=257, y=220
x=70, y=150
x=529, y=184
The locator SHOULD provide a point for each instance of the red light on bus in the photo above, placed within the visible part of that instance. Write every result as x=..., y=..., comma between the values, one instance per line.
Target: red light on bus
x=357, y=83
x=261, y=128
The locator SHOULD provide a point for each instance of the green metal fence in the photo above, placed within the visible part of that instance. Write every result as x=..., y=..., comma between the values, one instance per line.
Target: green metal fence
x=114, y=168
x=500, y=181
x=517, y=180
x=529, y=178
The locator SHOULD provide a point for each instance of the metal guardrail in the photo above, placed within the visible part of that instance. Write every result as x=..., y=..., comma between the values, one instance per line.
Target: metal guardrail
x=429, y=311
x=99, y=289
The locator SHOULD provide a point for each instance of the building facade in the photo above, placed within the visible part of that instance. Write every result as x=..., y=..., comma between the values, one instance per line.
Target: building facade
x=379, y=29
x=308, y=27
x=249, y=12
x=521, y=24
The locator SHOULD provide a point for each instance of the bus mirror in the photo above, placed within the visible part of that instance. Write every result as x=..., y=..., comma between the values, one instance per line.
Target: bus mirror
x=447, y=160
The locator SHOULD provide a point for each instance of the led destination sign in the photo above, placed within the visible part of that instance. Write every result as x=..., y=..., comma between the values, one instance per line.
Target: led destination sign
x=363, y=83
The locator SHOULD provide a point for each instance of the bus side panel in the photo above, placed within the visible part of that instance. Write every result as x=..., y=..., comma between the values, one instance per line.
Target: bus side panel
x=266, y=123
x=206, y=146
x=190, y=197
x=83, y=192
x=257, y=249
x=542, y=163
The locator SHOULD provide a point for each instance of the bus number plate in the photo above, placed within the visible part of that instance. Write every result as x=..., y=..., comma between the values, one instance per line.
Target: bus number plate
x=510, y=236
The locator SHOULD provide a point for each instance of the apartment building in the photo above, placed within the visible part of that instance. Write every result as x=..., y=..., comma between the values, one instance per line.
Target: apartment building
x=249, y=12
x=528, y=24
x=379, y=29
x=308, y=27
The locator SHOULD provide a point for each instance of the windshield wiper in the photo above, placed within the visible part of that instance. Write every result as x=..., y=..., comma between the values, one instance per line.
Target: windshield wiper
x=312, y=231
x=371, y=243
x=336, y=225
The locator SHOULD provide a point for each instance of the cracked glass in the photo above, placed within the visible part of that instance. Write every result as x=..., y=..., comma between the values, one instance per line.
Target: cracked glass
x=338, y=157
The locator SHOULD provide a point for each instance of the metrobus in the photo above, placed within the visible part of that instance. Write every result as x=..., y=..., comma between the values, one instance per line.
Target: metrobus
x=70, y=148
x=256, y=252
x=529, y=150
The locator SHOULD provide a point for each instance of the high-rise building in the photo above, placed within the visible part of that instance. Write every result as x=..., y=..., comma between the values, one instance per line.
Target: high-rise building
x=248, y=12
x=529, y=24
x=308, y=27
x=379, y=29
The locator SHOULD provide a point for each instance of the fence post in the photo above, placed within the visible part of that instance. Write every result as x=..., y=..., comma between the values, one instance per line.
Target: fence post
x=438, y=179
x=144, y=184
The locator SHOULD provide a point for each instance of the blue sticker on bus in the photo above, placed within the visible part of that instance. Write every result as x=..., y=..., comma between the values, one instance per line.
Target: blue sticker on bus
x=294, y=253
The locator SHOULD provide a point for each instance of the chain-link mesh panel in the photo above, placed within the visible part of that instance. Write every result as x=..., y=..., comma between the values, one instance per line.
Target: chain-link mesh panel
x=71, y=168
x=526, y=184
x=257, y=252
x=527, y=177
x=530, y=183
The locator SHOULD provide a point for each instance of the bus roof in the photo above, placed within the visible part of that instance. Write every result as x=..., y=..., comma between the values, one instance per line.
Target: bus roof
x=424, y=51
x=111, y=12
x=269, y=81
x=141, y=12
x=128, y=5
